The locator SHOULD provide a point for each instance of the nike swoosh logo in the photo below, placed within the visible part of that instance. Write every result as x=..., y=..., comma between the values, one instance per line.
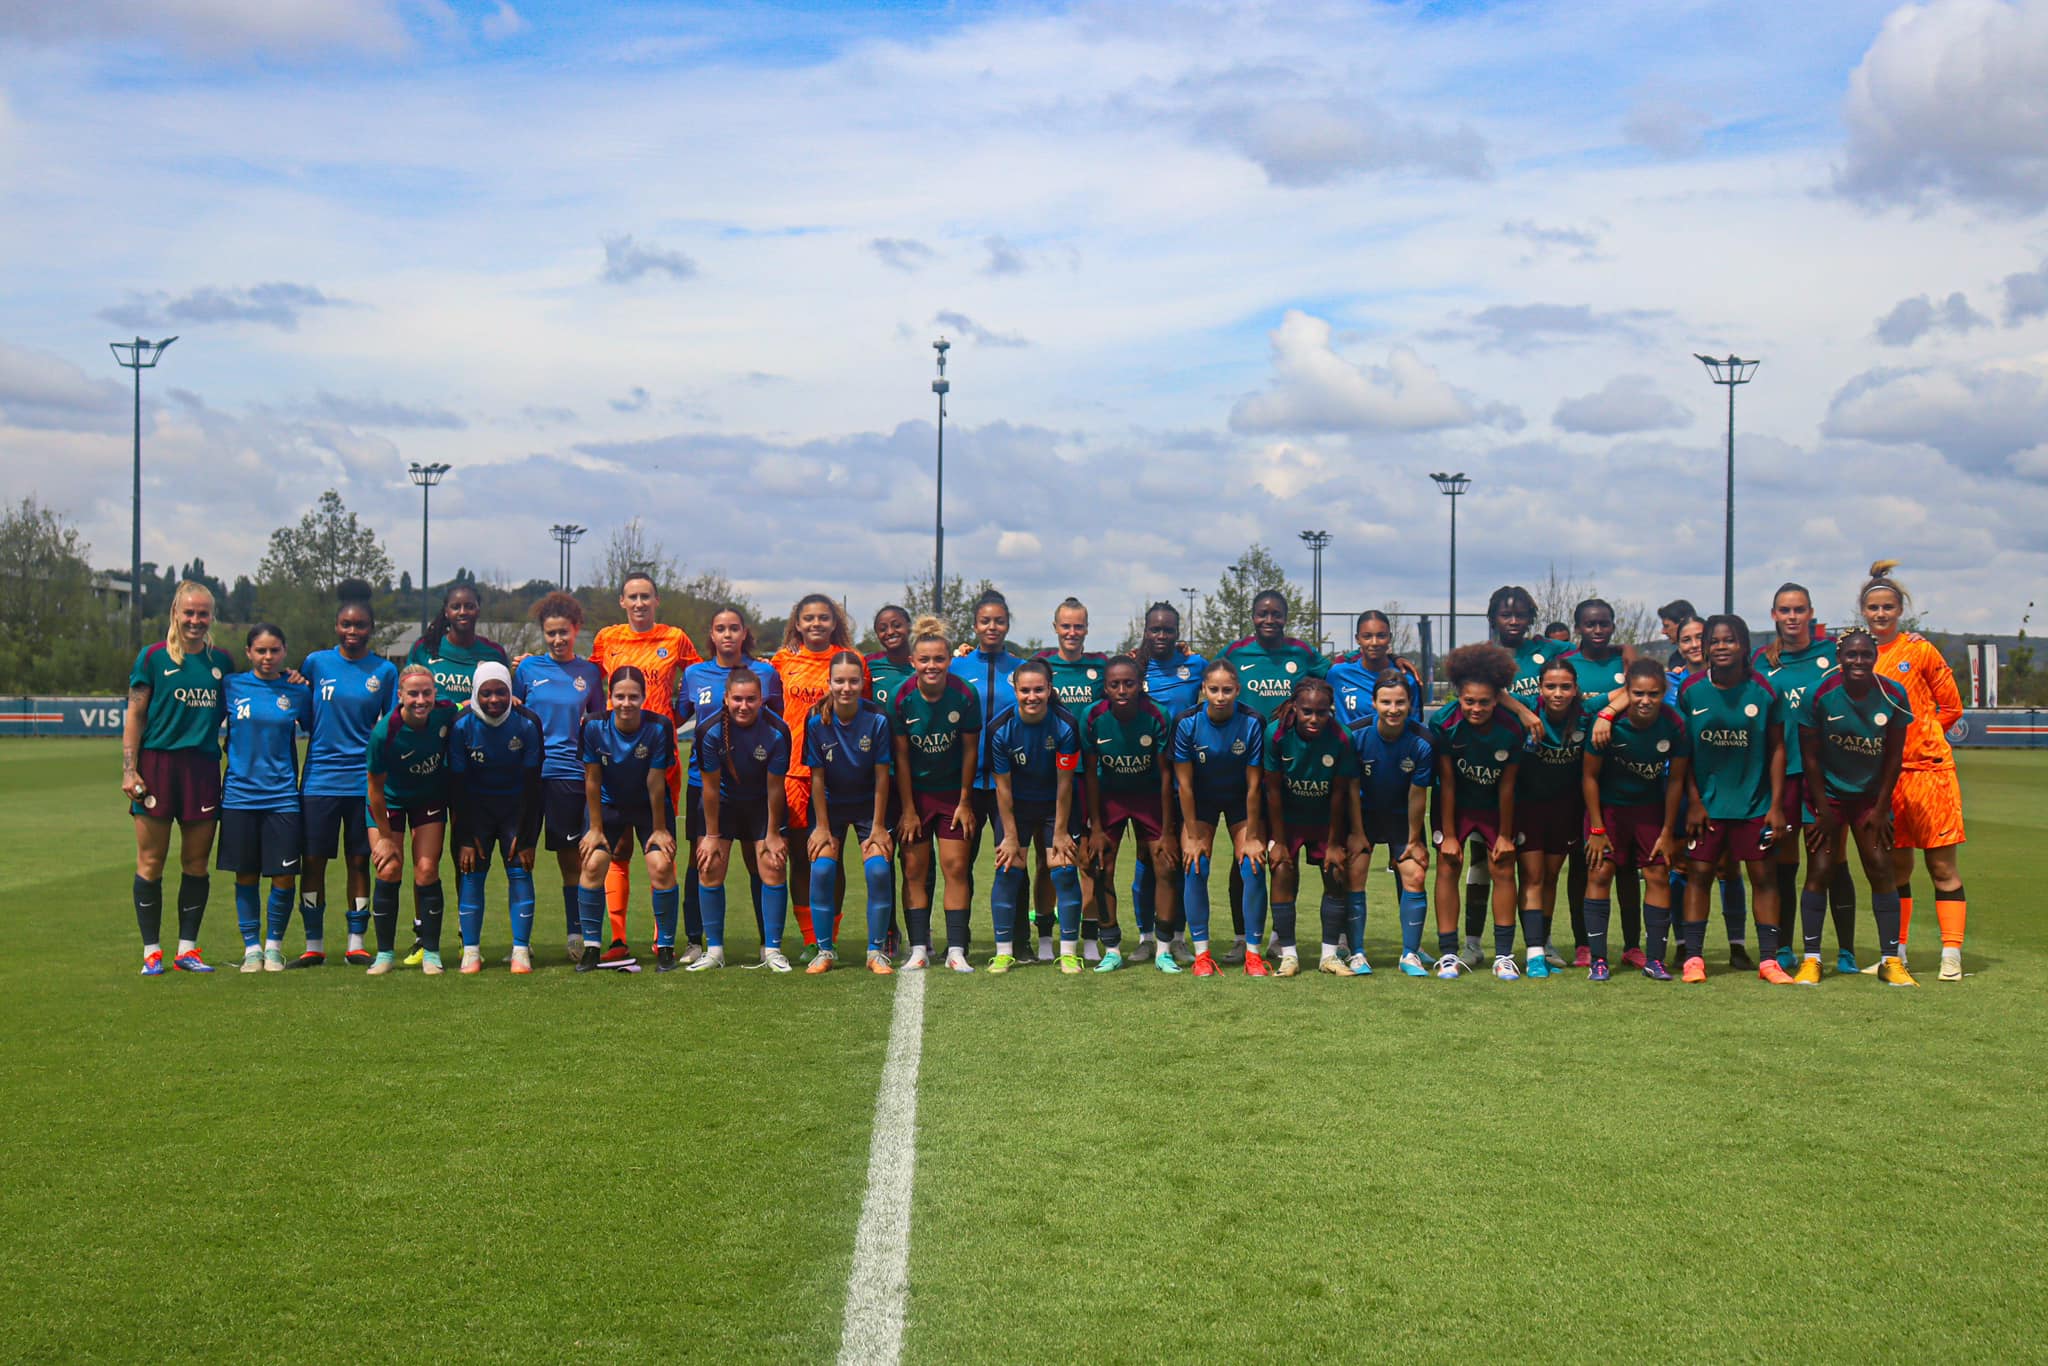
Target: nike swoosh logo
x=290, y=863
x=170, y=673
x=1699, y=711
x=204, y=809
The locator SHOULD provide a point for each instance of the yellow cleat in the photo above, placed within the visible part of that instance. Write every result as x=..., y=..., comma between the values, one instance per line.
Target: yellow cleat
x=1808, y=974
x=1290, y=966
x=1892, y=972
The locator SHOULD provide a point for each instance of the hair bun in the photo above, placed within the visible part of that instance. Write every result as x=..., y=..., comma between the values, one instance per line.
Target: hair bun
x=352, y=590
x=1880, y=568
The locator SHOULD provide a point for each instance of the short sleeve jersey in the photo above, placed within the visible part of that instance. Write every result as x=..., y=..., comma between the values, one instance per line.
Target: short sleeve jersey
x=184, y=698
x=1730, y=732
x=264, y=721
x=1034, y=753
x=1077, y=683
x=1174, y=684
x=625, y=758
x=934, y=731
x=1530, y=657
x=413, y=760
x=1853, y=732
x=806, y=677
x=746, y=758
x=495, y=760
x=454, y=666
x=561, y=697
x=703, y=696
x=1266, y=675
x=989, y=676
x=885, y=676
x=1221, y=751
x=348, y=697
x=1387, y=769
x=660, y=653
x=1308, y=767
x=1794, y=678
x=848, y=753
x=1634, y=766
x=1597, y=677
x=1552, y=767
x=1127, y=753
x=1353, y=680
x=1480, y=755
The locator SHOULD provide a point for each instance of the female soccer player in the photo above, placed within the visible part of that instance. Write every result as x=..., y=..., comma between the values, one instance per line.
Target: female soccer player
x=1124, y=742
x=494, y=784
x=261, y=832
x=626, y=796
x=1633, y=787
x=1550, y=808
x=1600, y=665
x=1689, y=639
x=1689, y=657
x=1390, y=810
x=1173, y=681
x=661, y=654
x=352, y=688
x=817, y=631
x=848, y=752
x=986, y=668
x=562, y=691
x=170, y=771
x=1035, y=751
x=450, y=647
x=1077, y=676
x=746, y=748
x=1736, y=785
x=935, y=726
x=1854, y=733
x=1478, y=752
x=702, y=697
x=1356, y=676
x=1927, y=804
x=409, y=787
x=1310, y=773
x=1217, y=748
x=889, y=667
x=1510, y=615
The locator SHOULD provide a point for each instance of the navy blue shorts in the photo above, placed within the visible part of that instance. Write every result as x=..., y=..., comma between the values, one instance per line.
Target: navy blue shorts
x=567, y=813
x=335, y=825
x=489, y=820
x=744, y=820
x=618, y=823
x=839, y=819
x=267, y=843
x=1034, y=820
x=1221, y=813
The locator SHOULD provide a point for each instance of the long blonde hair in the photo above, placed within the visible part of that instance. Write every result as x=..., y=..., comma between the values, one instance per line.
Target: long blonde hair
x=173, y=644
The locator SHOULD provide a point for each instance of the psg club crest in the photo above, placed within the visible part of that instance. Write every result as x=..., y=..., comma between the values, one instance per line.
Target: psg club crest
x=581, y=684
x=216, y=675
x=639, y=751
x=761, y=752
x=1144, y=742
x=373, y=684
x=284, y=703
x=866, y=743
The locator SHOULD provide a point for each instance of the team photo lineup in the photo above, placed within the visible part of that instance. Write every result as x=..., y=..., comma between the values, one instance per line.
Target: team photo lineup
x=1771, y=769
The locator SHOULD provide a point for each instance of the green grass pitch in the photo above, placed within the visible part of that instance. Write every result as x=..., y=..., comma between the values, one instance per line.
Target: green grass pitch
x=1138, y=1168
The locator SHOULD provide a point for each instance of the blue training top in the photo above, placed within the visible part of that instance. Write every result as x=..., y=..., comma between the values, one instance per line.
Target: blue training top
x=702, y=696
x=348, y=697
x=755, y=753
x=1354, y=682
x=626, y=759
x=1220, y=752
x=264, y=720
x=1033, y=753
x=989, y=676
x=561, y=696
x=493, y=761
x=1387, y=769
x=848, y=753
x=1175, y=685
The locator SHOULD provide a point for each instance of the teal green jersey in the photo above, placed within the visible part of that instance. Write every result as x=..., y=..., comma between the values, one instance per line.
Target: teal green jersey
x=185, y=707
x=1266, y=676
x=454, y=666
x=1308, y=767
x=1480, y=755
x=1730, y=730
x=937, y=732
x=1530, y=657
x=1597, y=678
x=1077, y=683
x=1552, y=767
x=1853, y=733
x=413, y=760
x=885, y=676
x=1128, y=754
x=1637, y=760
x=1794, y=678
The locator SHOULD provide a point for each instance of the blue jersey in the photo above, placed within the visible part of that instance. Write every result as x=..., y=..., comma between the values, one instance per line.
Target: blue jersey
x=348, y=697
x=1033, y=753
x=625, y=759
x=747, y=758
x=989, y=676
x=1176, y=684
x=1353, y=681
x=848, y=753
x=1388, y=768
x=561, y=697
x=702, y=695
x=264, y=720
x=495, y=760
x=1220, y=753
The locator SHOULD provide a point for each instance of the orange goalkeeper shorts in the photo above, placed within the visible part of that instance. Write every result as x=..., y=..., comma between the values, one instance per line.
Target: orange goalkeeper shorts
x=1927, y=809
x=796, y=801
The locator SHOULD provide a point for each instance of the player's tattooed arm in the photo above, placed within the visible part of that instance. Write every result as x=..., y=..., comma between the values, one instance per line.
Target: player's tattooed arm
x=131, y=734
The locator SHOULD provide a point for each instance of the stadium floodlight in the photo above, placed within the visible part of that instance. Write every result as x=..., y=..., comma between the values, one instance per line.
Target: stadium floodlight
x=940, y=386
x=1729, y=371
x=137, y=355
x=426, y=476
x=1453, y=487
x=566, y=534
x=1316, y=540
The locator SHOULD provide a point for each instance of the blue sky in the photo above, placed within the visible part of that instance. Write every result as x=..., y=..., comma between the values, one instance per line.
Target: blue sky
x=1213, y=272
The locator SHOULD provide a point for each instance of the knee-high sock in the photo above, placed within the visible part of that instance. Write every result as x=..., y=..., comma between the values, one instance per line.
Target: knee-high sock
x=667, y=901
x=754, y=893
x=959, y=928
x=469, y=907
x=313, y=916
x=519, y=898
x=1354, y=919
x=774, y=914
x=1596, y=912
x=1905, y=912
x=1254, y=899
x=881, y=900
x=824, y=893
x=1575, y=897
x=1336, y=918
x=712, y=902
x=1768, y=938
x=618, y=890
x=1535, y=929
x=1237, y=904
x=693, y=906
x=1656, y=925
x=192, y=893
x=427, y=906
x=917, y=926
x=149, y=908
x=1884, y=908
x=249, y=915
x=1478, y=891
x=1735, y=909
x=277, y=913
x=1952, y=909
x=1813, y=917
x=1504, y=936
x=1628, y=890
x=803, y=916
x=1144, y=889
x=572, y=910
x=1005, y=899
x=1195, y=895
x=1066, y=894
x=1786, y=875
x=1283, y=924
x=1692, y=936
x=590, y=916
x=1842, y=906
x=1414, y=907
x=384, y=913
x=358, y=915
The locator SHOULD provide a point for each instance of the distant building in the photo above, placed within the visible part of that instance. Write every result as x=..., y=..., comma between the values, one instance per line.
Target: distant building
x=115, y=591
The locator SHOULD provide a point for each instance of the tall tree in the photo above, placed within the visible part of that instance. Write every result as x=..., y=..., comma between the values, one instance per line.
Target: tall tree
x=59, y=637
x=960, y=600
x=327, y=546
x=1227, y=613
x=632, y=549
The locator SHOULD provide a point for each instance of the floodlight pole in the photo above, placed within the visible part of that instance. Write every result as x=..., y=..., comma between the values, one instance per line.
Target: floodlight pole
x=426, y=476
x=566, y=534
x=1729, y=371
x=940, y=386
x=1453, y=487
x=1316, y=541
x=140, y=355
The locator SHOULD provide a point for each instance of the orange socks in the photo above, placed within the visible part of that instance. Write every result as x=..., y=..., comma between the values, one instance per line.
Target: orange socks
x=1905, y=915
x=803, y=922
x=1951, y=910
x=618, y=888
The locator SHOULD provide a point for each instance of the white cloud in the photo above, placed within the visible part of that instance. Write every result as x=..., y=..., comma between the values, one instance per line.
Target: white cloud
x=1018, y=545
x=962, y=325
x=502, y=23
x=217, y=28
x=1979, y=416
x=1627, y=403
x=1003, y=257
x=1300, y=143
x=1316, y=390
x=901, y=253
x=277, y=304
x=2026, y=295
x=1666, y=126
x=39, y=390
x=1917, y=317
x=626, y=261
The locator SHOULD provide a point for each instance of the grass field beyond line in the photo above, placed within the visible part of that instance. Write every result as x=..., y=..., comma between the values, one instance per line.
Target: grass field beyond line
x=1126, y=1168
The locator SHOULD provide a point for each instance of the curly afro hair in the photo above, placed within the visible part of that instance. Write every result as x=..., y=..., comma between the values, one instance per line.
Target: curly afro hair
x=1480, y=663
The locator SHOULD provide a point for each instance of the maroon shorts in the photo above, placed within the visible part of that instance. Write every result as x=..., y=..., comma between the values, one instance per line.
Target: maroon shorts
x=1141, y=810
x=935, y=810
x=1483, y=826
x=1632, y=834
x=1296, y=838
x=1849, y=811
x=1795, y=797
x=1549, y=827
x=1741, y=840
x=183, y=785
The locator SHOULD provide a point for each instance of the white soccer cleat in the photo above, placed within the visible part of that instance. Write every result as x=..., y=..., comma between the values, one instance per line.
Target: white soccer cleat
x=919, y=960
x=712, y=958
x=1951, y=965
x=252, y=960
x=956, y=961
x=774, y=960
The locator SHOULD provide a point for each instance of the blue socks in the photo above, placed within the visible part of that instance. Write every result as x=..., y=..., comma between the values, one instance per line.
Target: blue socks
x=1144, y=891
x=1598, y=911
x=1254, y=901
x=881, y=901
x=824, y=894
x=1735, y=909
x=1066, y=894
x=774, y=912
x=1004, y=898
x=590, y=915
x=711, y=903
x=668, y=904
x=1283, y=924
x=249, y=915
x=1195, y=890
x=278, y=912
x=519, y=893
x=572, y=909
x=1354, y=926
x=469, y=907
x=313, y=915
x=1414, y=910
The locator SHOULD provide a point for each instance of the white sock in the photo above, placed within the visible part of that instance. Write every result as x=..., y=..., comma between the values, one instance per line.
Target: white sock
x=1201, y=946
x=361, y=903
x=1147, y=938
x=1069, y=946
x=1290, y=951
x=148, y=949
x=1008, y=946
x=355, y=943
x=186, y=946
x=1813, y=958
x=1092, y=950
x=316, y=946
x=1535, y=952
x=1044, y=946
x=1329, y=949
x=273, y=946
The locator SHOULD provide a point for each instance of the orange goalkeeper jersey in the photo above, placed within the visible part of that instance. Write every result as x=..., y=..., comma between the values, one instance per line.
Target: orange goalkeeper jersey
x=660, y=652
x=804, y=674
x=1912, y=662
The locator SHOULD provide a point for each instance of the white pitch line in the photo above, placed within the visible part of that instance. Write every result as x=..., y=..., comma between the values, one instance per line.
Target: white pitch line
x=878, y=1287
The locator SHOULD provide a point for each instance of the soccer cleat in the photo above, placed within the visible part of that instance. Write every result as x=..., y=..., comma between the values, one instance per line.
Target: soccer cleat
x=381, y=965
x=618, y=953
x=1469, y=955
x=589, y=961
x=273, y=960
x=920, y=958
x=1001, y=963
x=665, y=958
x=1070, y=964
x=1892, y=972
x=472, y=961
x=1255, y=965
x=1771, y=971
x=416, y=955
x=1205, y=964
x=1598, y=971
x=1845, y=962
x=1334, y=965
x=1504, y=967
x=1738, y=955
x=820, y=962
x=1112, y=959
x=189, y=961
x=879, y=964
x=430, y=964
x=1290, y=965
x=1582, y=957
x=522, y=960
x=1655, y=970
x=1633, y=958
x=1539, y=966
x=1695, y=969
x=1450, y=967
x=1808, y=974
x=691, y=953
x=574, y=947
x=810, y=953
x=359, y=958
x=1359, y=967
x=706, y=961
x=1411, y=965
x=153, y=964
x=774, y=961
x=1146, y=951
x=1951, y=965
x=956, y=961
x=1167, y=963
x=1786, y=958
x=308, y=960
x=252, y=960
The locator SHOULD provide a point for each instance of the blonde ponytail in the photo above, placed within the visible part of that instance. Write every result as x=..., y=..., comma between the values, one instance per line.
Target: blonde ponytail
x=173, y=641
x=1881, y=577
